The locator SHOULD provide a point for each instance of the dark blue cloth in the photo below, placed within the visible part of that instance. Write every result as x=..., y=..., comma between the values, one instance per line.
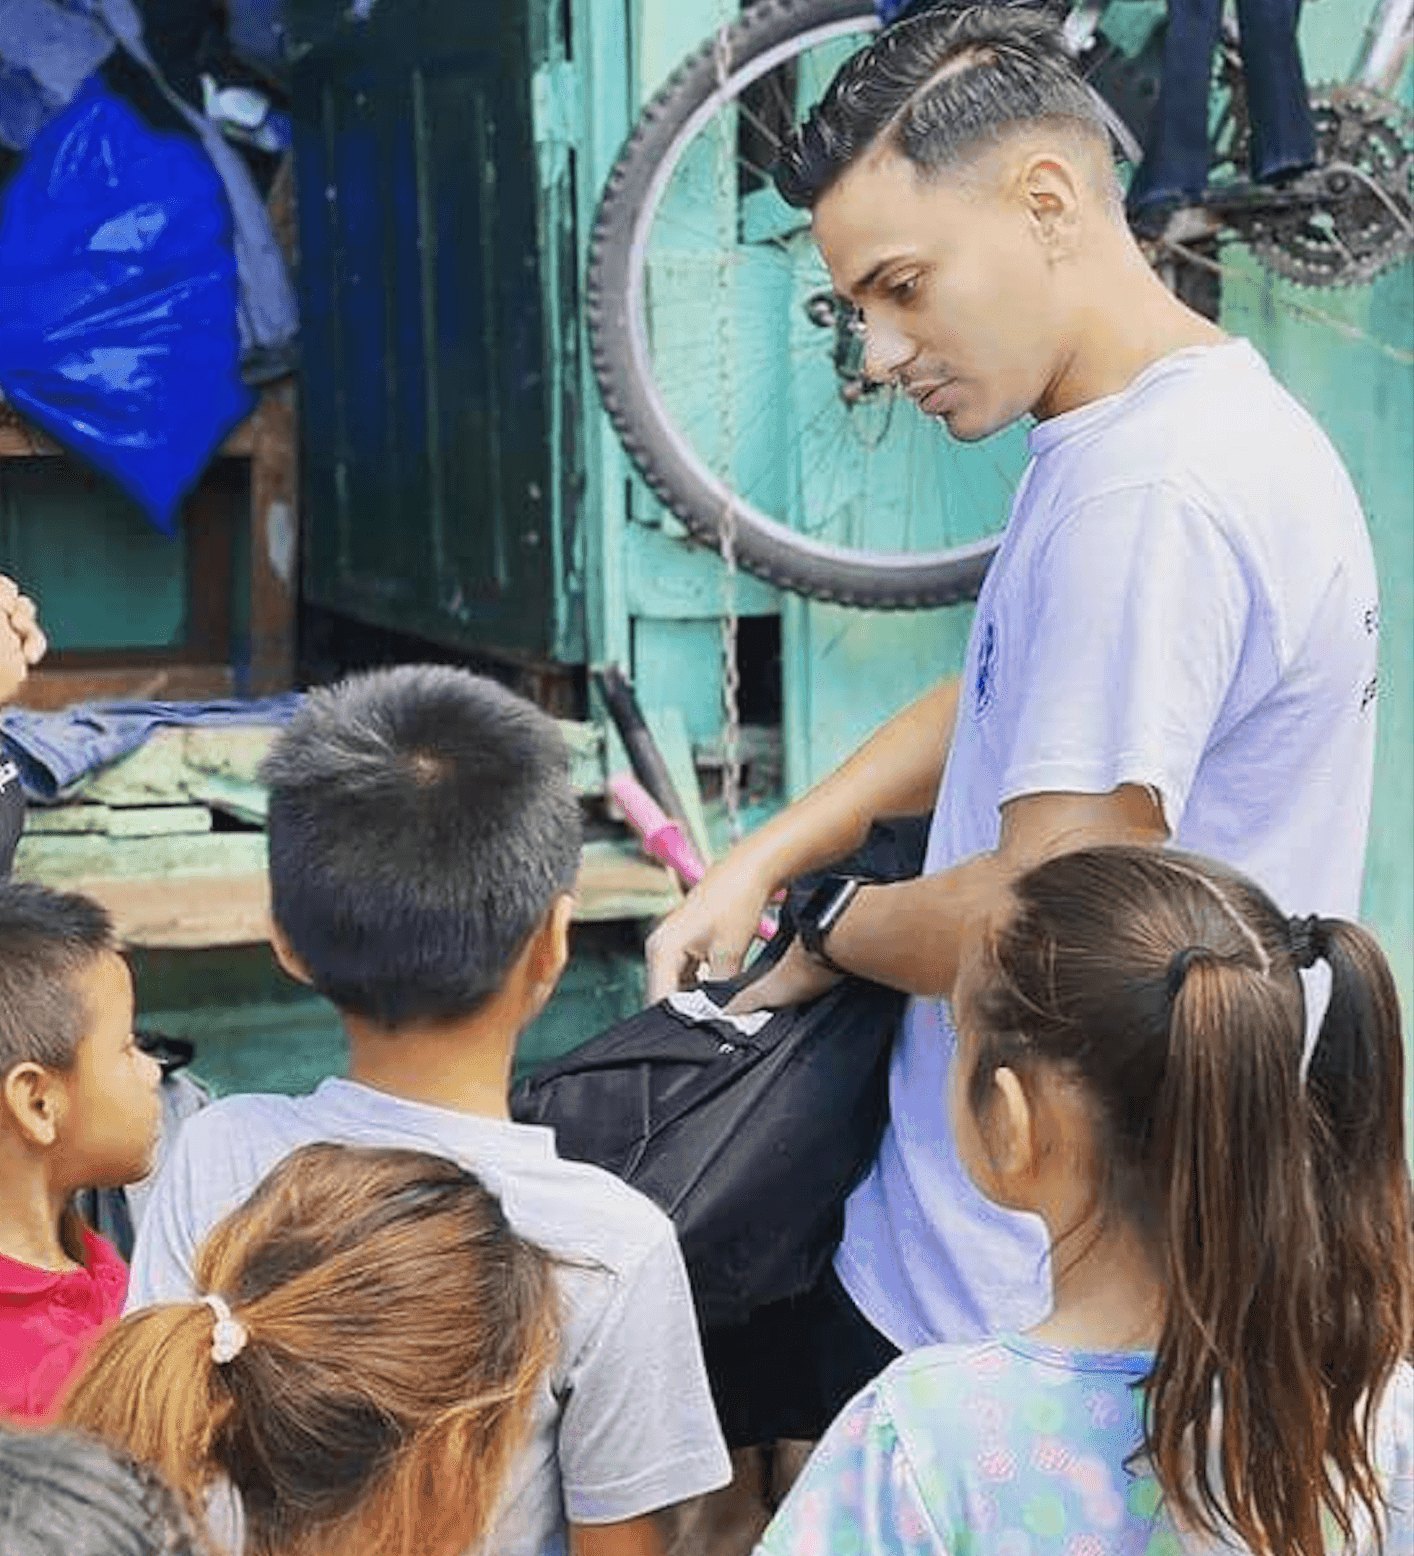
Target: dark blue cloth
x=53, y=751
x=1283, y=135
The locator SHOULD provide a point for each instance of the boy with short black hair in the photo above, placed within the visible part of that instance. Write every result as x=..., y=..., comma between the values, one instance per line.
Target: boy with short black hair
x=78, y=1109
x=424, y=840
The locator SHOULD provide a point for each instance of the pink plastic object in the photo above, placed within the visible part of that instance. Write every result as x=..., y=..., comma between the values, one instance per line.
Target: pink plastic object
x=662, y=838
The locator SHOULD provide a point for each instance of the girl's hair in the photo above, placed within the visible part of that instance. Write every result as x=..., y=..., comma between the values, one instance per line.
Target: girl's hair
x=66, y=1495
x=395, y=1331
x=1279, y=1209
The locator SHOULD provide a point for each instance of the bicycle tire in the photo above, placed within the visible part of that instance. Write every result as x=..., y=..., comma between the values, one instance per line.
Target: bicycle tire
x=771, y=32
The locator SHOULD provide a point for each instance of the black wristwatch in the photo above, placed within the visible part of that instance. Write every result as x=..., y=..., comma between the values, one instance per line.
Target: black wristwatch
x=823, y=909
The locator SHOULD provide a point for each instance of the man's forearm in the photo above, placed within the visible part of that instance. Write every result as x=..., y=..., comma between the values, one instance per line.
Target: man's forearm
x=896, y=772
x=910, y=935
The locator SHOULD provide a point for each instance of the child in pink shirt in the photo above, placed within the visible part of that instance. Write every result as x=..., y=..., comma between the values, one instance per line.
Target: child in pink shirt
x=78, y=1108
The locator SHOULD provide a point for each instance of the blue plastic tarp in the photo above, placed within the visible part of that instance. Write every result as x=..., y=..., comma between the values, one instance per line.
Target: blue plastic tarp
x=118, y=299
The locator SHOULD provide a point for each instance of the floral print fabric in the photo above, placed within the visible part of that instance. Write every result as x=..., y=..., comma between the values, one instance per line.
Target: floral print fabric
x=1009, y=1448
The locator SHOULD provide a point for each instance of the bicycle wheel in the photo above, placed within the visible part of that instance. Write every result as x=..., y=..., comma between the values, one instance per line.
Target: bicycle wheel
x=731, y=376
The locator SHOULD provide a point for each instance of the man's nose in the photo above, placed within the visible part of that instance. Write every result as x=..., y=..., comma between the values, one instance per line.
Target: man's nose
x=886, y=351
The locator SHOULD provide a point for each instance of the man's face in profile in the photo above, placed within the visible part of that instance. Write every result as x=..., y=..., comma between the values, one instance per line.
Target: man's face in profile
x=953, y=281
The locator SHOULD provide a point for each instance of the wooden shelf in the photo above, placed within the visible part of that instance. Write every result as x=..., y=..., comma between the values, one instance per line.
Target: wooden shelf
x=267, y=440
x=183, y=892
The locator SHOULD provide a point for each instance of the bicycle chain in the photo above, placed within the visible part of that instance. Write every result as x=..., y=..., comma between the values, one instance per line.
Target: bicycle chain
x=1359, y=219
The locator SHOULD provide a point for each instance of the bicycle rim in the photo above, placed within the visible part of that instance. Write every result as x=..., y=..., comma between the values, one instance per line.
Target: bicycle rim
x=733, y=404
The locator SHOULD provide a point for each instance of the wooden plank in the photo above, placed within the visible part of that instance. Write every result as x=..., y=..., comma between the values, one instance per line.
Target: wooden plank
x=669, y=729
x=586, y=743
x=617, y=882
x=246, y=802
x=20, y=439
x=72, y=817
x=274, y=541
x=108, y=821
x=184, y=912
x=66, y=859
x=684, y=580
x=150, y=775
x=158, y=821
x=61, y=685
x=161, y=895
x=229, y=750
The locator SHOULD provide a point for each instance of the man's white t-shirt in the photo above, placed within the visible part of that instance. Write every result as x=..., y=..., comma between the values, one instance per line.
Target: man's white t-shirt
x=623, y=1424
x=1184, y=598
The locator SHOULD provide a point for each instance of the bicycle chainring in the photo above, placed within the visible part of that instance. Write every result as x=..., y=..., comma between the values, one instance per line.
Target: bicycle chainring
x=1359, y=219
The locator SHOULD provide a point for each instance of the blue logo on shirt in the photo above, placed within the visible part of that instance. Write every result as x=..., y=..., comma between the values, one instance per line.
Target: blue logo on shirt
x=985, y=688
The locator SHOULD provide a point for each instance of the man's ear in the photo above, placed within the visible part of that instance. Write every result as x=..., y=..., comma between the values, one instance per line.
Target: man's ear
x=35, y=1099
x=1050, y=187
x=287, y=957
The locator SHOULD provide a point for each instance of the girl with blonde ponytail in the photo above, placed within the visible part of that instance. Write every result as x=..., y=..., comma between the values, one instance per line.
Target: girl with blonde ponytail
x=359, y=1367
x=1226, y=1364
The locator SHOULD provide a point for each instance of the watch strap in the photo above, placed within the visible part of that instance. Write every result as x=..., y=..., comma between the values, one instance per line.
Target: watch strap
x=825, y=908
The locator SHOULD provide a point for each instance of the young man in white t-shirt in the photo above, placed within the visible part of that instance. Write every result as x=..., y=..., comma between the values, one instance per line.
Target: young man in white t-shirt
x=424, y=841
x=1176, y=642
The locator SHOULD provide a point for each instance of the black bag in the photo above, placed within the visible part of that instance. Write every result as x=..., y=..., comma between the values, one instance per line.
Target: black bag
x=751, y=1143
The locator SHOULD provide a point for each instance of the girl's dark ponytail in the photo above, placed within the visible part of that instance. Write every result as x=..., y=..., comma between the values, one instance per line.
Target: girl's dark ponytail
x=1276, y=1202
x=1355, y=1086
x=1237, y=1371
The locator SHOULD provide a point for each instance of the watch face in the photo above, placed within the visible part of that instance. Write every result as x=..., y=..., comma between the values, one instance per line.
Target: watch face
x=822, y=908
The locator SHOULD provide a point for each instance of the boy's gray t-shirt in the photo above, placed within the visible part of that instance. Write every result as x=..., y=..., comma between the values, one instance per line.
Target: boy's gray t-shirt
x=624, y=1423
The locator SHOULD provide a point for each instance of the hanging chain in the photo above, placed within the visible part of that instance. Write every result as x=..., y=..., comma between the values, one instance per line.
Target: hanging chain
x=726, y=530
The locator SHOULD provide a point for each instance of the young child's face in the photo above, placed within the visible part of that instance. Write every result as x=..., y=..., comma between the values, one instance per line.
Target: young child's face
x=111, y=1122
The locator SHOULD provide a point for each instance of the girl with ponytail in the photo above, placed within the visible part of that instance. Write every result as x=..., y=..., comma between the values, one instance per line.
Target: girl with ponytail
x=1225, y=1366
x=359, y=1367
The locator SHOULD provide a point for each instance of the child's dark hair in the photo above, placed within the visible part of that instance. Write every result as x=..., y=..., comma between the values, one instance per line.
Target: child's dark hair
x=46, y=937
x=66, y=1495
x=937, y=88
x=1278, y=1208
x=387, y=1333
x=421, y=822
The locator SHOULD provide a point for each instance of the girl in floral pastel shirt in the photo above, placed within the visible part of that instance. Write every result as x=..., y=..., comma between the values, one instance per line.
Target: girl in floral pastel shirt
x=1232, y=1259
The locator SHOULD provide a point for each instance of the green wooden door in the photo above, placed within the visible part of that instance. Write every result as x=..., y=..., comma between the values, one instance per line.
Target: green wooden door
x=434, y=504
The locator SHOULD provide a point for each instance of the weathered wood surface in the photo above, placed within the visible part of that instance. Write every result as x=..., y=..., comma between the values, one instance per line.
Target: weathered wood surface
x=185, y=891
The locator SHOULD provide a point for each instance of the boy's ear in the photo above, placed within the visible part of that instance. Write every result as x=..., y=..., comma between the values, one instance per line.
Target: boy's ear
x=552, y=941
x=287, y=957
x=35, y=1101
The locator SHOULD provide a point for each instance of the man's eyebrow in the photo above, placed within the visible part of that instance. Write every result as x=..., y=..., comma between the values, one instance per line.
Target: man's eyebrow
x=870, y=276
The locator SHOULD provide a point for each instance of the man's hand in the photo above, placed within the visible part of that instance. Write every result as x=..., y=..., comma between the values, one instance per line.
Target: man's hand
x=797, y=977
x=895, y=773
x=710, y=934
x=22, y=640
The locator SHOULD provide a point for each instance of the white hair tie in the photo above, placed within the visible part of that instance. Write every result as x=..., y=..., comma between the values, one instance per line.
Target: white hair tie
x=229, y=1336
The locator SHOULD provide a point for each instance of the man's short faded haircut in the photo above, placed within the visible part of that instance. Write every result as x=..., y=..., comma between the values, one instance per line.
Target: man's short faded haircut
x=421, y=822
x=47, y=938
x=938, y=89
